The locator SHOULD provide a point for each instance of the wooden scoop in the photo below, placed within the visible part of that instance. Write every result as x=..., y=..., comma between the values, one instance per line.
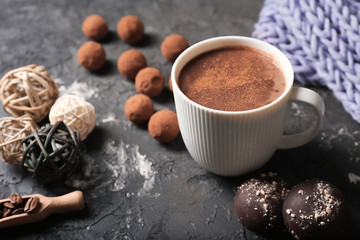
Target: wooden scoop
x=73, y=201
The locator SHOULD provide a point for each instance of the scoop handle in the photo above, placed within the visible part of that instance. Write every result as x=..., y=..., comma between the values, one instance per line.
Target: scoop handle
x=73, y=201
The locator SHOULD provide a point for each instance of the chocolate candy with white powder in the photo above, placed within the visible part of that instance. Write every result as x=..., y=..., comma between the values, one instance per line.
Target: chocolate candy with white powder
x=258, y=203
x=315, y=209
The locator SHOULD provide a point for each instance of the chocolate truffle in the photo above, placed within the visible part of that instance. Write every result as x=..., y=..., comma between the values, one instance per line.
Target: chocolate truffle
x=170, y=84
x=139, y=108
x=91, y=55
x=164, y=126
x=131, y=62
x=149, y=81
x=258, y=203
x=315, y=209
x=130, y=29
x=172, y=46
x=95, y=27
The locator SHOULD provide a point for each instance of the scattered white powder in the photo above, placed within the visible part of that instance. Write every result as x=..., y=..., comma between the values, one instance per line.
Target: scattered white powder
x=297, y=109
x=59, y=81
x=91, y=178
x=127, y=163
x=80, y=89
x=118, y=165
x=128, y=219
x=144, y=166
x=330, y=139
x=353, y=178
x=109, y=118
x=341, y=133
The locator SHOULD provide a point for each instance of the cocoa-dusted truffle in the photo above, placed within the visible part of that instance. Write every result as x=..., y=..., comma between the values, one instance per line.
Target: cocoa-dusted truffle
x=164, y=126
x=91, y=55
x=131, y=62
x=95, y=27
x=315, y=209
x=149, y=81
x=130, y=29
x=172, y=46
x=139, y=108
x=170, y=84
x=258, y=203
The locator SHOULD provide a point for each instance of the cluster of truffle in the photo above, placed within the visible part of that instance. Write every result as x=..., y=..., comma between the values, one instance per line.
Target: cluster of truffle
x=30, y=94
x=163, y=125
x=131, y=62
x=91, y=55
x=313, y=209
x=149, y=82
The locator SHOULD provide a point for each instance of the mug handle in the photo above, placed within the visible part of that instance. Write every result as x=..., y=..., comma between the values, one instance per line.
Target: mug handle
x=312, y=98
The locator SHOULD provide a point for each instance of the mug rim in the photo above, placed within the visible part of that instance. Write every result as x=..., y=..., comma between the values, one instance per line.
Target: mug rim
x=284, y=63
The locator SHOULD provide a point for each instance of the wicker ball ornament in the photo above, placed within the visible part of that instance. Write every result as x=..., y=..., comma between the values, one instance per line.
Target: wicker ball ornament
x=28, y=90
x=77, y=113
x=53, y=153
x=12, y=132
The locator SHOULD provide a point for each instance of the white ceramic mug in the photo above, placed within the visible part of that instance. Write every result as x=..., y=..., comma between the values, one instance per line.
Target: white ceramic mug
x=233, y=143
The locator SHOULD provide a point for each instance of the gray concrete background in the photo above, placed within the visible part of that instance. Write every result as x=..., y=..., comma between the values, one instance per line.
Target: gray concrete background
x=135, y=187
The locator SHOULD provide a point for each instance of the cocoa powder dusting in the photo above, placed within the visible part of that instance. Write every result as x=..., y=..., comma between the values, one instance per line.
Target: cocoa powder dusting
x=232, y=79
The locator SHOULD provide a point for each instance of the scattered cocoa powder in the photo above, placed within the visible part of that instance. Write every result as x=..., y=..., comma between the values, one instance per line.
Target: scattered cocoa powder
x=234, y=78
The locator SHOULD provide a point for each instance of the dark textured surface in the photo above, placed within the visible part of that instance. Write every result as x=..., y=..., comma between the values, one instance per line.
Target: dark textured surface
x=135, y=187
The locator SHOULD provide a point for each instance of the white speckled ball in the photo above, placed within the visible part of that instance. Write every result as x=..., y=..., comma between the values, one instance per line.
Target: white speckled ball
x=77, y=113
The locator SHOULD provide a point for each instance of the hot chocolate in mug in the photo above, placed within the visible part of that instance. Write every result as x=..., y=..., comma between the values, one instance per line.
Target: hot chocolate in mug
x=232, y=143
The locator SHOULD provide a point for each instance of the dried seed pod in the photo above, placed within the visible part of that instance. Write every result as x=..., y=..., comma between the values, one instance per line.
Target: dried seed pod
x=7, y=212
x=18, y=211
x=18, y=205
x=31, y=204
x=9, y=205
x=16, y=199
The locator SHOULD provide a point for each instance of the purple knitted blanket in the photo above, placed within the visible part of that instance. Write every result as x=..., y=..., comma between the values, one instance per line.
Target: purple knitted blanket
x=322, y=40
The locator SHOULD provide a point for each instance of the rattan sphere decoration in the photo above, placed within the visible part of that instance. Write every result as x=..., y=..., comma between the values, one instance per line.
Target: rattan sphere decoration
x=53, y=153
x=77, y=113
x=12, y=132
x=28, y=90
